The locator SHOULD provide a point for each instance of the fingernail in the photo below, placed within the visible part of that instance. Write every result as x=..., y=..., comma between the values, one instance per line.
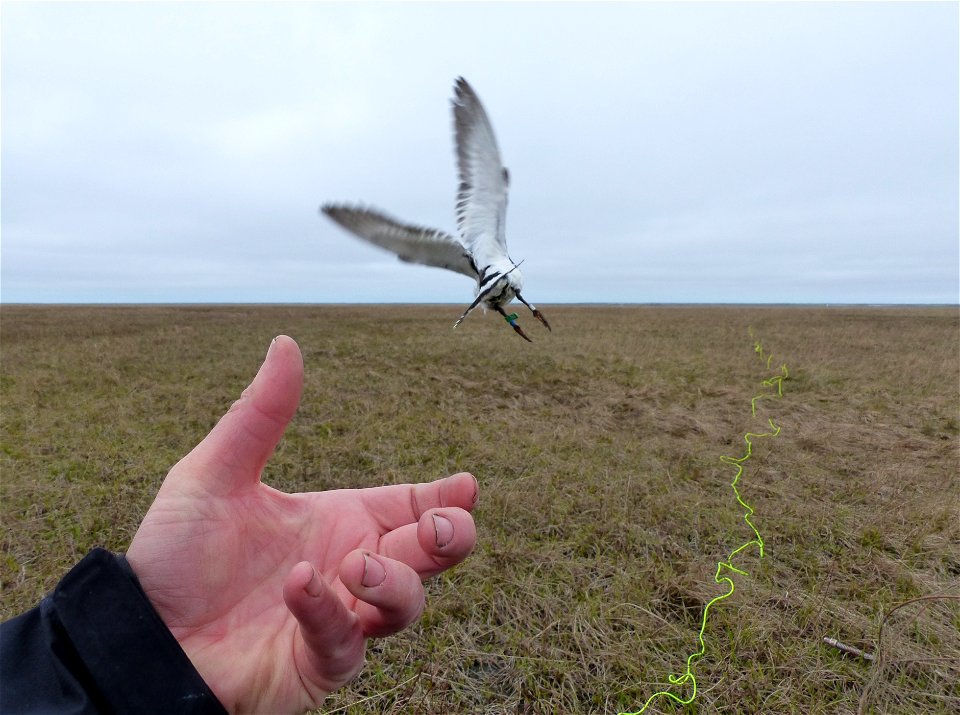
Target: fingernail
x=443, y=529
x=314, y=587
x=373, y=572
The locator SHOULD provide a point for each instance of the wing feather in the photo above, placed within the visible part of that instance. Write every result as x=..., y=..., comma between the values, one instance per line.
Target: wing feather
x=482, y=195
x=414, y=244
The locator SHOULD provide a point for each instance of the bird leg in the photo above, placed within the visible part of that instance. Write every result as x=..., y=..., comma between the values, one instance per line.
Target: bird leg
x=536, y=313
x=473, y=305
x=512, y=319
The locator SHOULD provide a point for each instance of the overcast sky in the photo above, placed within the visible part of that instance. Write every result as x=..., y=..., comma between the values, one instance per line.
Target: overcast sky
x=754, y=152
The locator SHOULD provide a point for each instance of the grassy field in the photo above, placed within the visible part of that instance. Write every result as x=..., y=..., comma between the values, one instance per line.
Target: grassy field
x=604, y=504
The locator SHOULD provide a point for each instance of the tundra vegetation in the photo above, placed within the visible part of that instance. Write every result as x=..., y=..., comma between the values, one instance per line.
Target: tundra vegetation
x=604, y=504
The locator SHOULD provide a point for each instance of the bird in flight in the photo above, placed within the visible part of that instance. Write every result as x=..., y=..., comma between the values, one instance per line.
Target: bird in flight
x=481, y=250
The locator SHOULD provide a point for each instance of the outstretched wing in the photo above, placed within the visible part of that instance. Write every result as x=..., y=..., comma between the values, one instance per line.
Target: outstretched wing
x=482, y=195
x=413, y=244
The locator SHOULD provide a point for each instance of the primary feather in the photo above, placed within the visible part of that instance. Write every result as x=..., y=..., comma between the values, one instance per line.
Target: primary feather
x=484, y=182
x=414, y=244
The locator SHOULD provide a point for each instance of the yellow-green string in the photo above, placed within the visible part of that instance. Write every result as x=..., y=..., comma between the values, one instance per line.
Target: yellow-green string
x=736, y=462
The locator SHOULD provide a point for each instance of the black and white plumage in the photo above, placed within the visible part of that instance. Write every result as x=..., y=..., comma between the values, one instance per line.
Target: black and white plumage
x=481, y=250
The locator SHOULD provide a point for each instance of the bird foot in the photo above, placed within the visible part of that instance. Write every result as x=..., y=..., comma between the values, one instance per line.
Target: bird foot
x=520, y=332
x=512, y=320
x=539, y=316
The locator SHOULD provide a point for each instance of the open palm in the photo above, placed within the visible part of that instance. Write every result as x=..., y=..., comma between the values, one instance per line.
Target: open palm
x=273, y=595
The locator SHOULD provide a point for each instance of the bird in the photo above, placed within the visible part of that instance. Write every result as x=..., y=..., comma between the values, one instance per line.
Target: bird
x=480, y=251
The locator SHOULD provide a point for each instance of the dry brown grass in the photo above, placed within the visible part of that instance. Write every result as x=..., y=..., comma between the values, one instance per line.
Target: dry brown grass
x=604, y=506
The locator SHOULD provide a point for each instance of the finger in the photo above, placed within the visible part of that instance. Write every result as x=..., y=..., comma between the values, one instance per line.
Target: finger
x=400, y=504
x=333, y=642
x=239, y=445
x=441, y=539
x=390, y=592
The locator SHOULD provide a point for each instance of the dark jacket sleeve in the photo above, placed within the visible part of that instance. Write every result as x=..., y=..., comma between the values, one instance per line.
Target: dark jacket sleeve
x=96, y=645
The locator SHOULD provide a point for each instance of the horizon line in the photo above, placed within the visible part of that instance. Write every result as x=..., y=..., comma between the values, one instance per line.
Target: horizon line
x=799, y=304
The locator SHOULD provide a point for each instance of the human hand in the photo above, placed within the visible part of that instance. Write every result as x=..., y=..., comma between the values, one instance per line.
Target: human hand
x=273, y=595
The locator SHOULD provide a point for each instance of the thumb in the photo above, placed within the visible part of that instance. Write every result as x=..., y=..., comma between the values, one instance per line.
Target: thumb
x=239, y=445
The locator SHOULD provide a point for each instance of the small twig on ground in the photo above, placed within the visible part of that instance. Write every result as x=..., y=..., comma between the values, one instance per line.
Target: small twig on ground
x=880, y=659
x=849, y=649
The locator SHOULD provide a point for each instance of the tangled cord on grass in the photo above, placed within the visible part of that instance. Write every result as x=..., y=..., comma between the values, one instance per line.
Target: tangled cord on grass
x=687, y=676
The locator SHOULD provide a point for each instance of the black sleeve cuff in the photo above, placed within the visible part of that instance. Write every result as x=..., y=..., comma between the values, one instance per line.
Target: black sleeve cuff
x=97, y=645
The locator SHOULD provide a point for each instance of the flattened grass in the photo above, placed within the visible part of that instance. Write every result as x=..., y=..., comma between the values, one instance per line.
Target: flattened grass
x=604, y=505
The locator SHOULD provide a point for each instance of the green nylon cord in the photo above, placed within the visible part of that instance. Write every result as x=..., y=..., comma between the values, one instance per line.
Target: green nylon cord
x=687, y=676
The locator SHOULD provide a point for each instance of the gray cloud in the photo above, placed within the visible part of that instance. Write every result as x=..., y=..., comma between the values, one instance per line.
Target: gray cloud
x=754, y=152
